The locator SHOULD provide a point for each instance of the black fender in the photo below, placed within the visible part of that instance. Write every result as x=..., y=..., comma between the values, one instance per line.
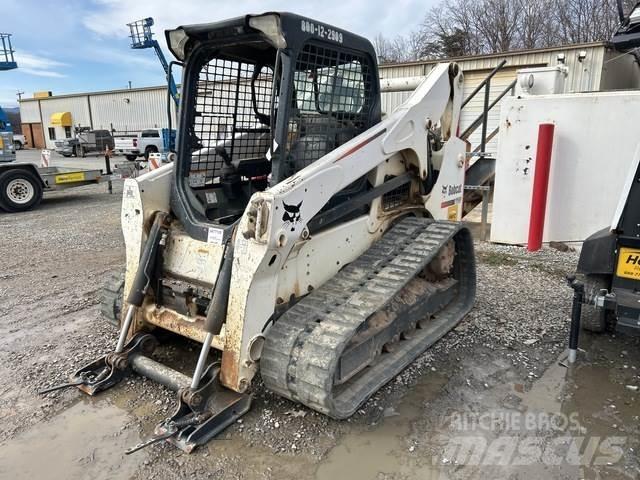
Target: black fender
x=598, y=254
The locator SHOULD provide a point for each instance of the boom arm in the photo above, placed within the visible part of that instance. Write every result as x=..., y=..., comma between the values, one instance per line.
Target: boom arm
x=173, y=90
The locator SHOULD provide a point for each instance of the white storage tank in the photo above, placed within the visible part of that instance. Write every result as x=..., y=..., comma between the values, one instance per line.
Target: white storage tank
x=541, y=80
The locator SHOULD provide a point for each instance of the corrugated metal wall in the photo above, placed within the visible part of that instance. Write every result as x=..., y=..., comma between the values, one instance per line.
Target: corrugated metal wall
x=132, y=110
x=29, y=111
x=77, y=106
x=123, y=110
x=584, y=75
x=619, y=72
x=473, y=109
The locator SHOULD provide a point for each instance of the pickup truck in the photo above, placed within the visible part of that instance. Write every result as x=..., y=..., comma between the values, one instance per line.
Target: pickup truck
x=146, y=142
x=18, y=141
x=86, y=140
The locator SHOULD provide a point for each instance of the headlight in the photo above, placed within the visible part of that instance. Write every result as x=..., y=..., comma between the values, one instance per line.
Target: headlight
x=177, y=42
x=269, y=24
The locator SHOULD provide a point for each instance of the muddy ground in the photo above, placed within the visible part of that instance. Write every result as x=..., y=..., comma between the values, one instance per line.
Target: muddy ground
x=494, y=399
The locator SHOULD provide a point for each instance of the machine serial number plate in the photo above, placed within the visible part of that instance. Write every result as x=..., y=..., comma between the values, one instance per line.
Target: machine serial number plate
x=628, y=263
x=215, y=235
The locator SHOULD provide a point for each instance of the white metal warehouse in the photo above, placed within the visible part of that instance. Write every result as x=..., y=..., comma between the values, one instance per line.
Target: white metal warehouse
x=591, y=67
x=46, y=119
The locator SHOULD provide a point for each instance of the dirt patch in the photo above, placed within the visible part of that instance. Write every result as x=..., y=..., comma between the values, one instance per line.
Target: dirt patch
x=496, y=259
x=503, y=357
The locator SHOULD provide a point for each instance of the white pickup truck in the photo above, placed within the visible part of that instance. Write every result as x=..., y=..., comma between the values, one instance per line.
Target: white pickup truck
x=18, y=141
x=146, y=142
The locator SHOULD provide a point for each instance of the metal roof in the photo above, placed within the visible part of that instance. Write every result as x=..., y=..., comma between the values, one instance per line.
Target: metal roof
x=100, y=92
x=511, y=53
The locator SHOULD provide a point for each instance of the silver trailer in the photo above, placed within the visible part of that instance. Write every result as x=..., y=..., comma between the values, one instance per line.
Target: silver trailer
x=23, y=184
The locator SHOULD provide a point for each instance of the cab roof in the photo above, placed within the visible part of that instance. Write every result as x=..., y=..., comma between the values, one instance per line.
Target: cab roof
x=295, y=29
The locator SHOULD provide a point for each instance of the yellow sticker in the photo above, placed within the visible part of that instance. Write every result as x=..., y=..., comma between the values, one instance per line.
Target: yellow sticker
x=628, y=263
x=452, y=212
x=70, y=177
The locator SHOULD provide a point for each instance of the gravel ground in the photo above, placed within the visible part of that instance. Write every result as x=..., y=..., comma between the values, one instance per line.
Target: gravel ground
x=502, y=360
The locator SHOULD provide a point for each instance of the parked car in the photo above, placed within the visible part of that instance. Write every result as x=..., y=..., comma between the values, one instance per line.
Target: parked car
x=152, y=140
x=19, y=141
x=85, y=141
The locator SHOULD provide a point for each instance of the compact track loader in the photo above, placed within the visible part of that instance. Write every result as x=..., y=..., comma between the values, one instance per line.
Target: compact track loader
x=298, y=232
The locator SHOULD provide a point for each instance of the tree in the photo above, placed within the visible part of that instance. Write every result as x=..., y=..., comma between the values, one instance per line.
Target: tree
x=536, y=31
x=383, y=48
x=455, y=28
x=497, y=23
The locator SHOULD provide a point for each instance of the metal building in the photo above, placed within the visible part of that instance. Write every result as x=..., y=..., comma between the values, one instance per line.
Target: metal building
x=591, y=67
x=50, y=117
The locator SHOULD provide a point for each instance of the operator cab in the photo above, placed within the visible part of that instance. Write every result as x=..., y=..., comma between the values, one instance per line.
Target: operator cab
x=263, y=96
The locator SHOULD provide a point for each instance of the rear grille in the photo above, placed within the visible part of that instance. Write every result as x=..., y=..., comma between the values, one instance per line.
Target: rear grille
x=396, y=197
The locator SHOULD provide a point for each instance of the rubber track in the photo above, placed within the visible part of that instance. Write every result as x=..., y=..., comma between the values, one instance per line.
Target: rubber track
x=110, y=296
x=302, y=348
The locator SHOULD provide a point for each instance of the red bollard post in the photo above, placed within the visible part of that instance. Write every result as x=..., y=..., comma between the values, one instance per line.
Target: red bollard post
x=540, y=186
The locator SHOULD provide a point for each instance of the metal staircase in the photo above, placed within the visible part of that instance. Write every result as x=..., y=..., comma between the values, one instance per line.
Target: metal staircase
x=481, y=171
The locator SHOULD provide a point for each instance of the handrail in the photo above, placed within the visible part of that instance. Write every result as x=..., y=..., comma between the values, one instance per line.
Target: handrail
x=478, y=121
x=484, y=82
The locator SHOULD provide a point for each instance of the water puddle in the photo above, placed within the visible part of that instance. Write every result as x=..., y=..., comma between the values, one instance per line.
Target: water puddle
x=383, y=450
x=545, y=394
x=603, y=405
x=84, y=441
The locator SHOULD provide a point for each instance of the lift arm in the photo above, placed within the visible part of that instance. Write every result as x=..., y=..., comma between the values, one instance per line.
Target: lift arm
x=278, y=217
x=436, y=100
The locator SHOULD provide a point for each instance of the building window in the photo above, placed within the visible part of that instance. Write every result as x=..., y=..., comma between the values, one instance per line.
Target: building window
x=67, y=132
x=52, y=133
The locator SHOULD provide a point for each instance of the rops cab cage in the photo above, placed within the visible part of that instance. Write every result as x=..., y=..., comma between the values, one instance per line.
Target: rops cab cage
x=264, y=97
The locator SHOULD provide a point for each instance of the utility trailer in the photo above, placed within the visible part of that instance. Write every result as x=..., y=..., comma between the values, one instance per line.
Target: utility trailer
x=23, y=184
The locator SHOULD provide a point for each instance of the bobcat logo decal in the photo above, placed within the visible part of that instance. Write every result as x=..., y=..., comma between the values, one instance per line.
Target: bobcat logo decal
x=291, y=214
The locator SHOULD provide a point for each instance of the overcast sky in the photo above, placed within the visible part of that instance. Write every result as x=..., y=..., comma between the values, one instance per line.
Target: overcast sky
x=82, y=45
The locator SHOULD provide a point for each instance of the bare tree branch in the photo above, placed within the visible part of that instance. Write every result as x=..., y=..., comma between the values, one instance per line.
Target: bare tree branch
x=455, y=28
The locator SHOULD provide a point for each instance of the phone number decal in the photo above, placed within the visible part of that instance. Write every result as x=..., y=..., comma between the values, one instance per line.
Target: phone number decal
x=321, y=31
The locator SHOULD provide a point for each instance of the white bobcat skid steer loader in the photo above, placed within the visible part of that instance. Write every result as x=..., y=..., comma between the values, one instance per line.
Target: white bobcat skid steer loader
x=297, y=232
